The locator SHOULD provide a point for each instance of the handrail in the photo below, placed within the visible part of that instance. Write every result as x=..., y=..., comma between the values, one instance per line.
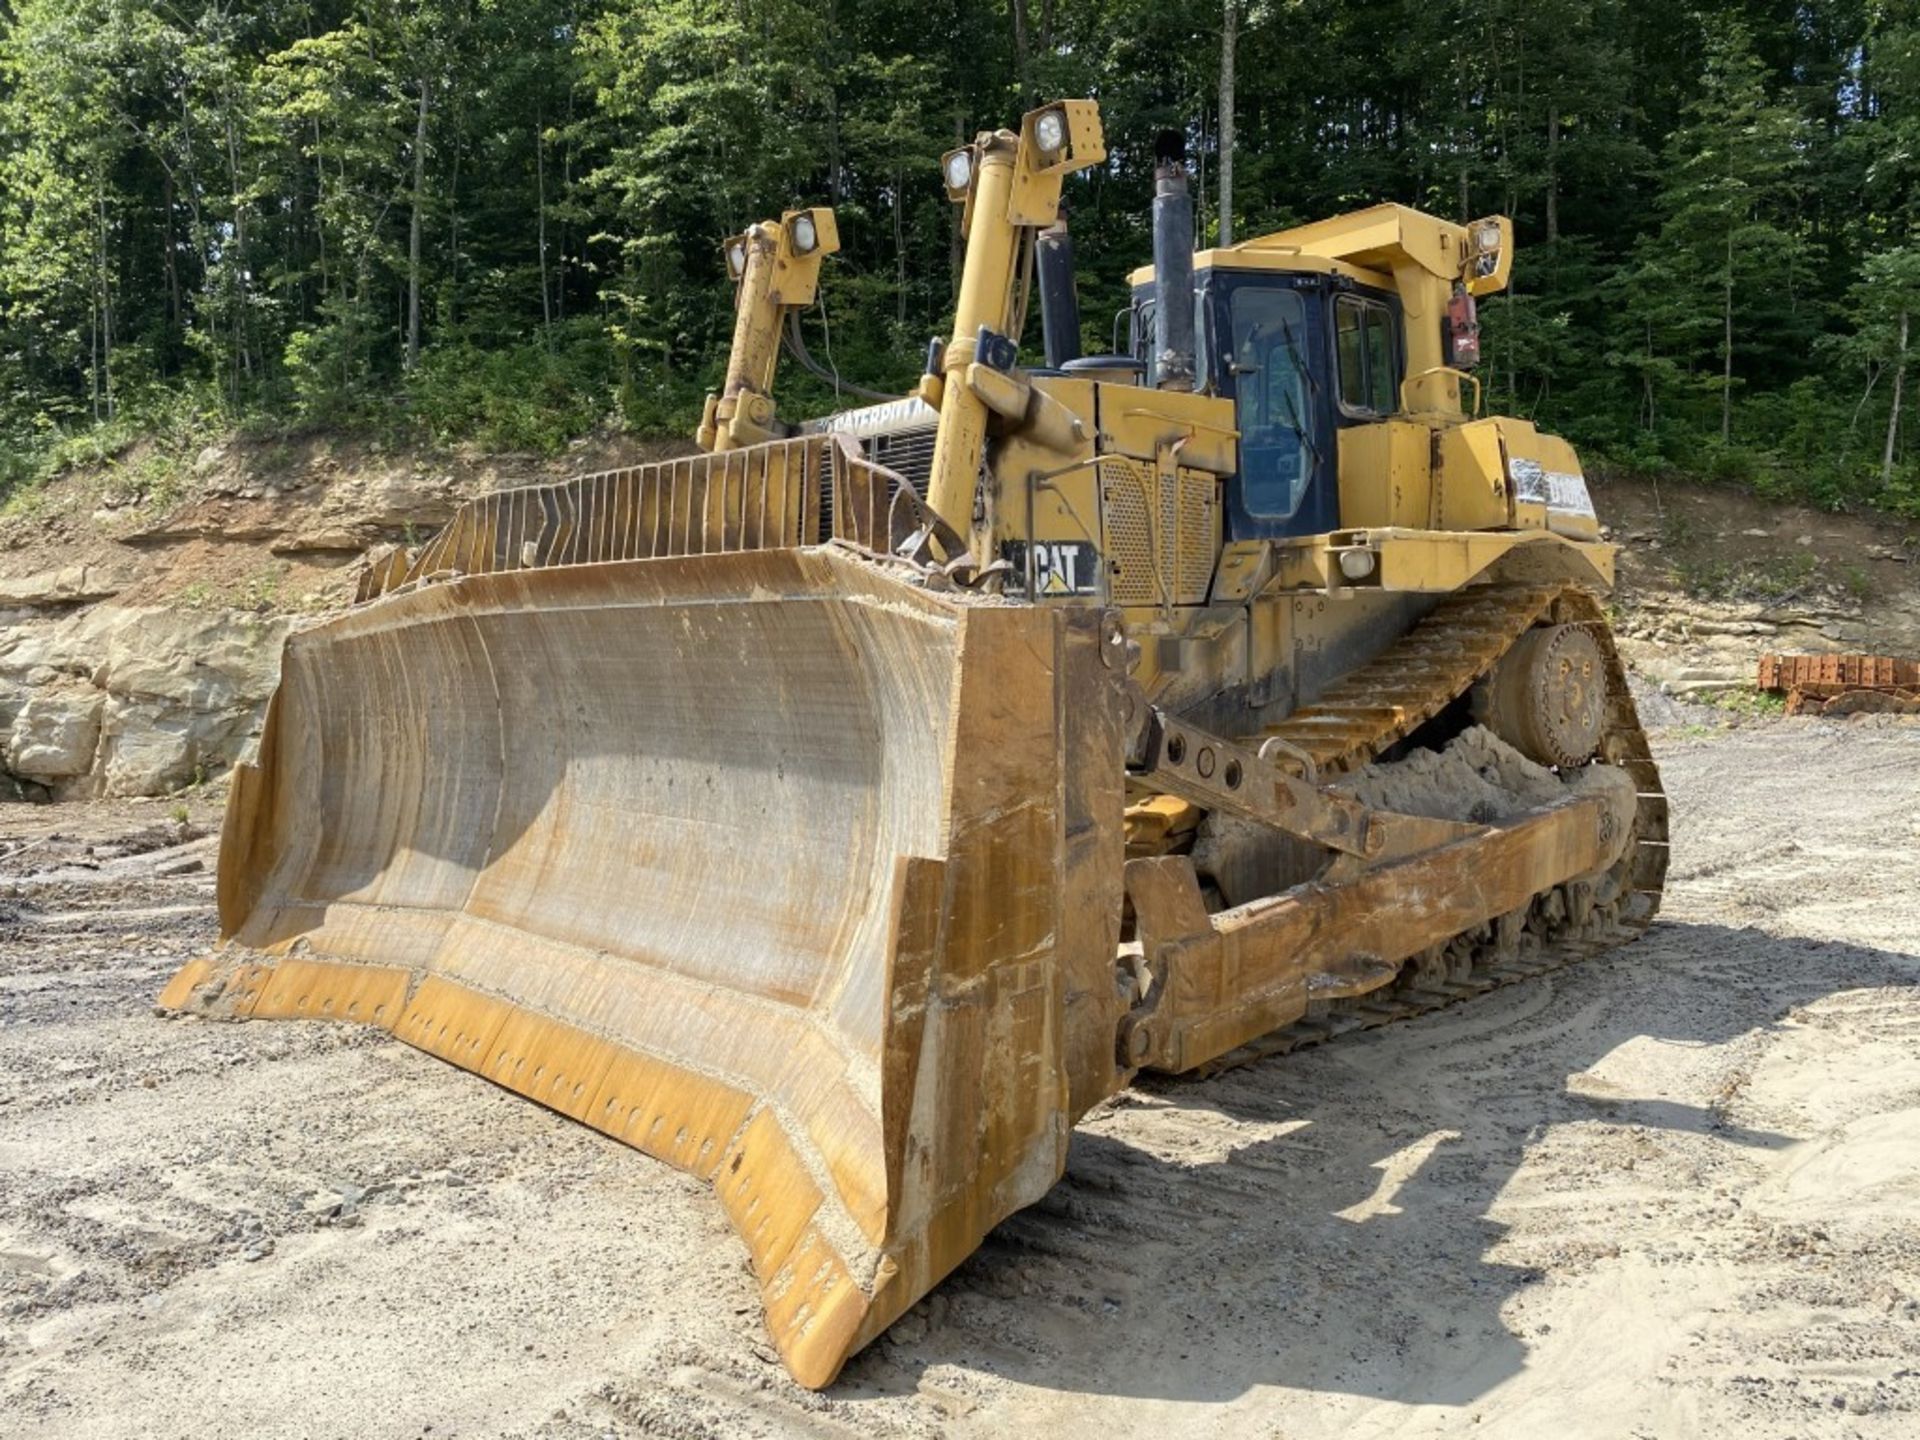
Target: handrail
x=1458, y=374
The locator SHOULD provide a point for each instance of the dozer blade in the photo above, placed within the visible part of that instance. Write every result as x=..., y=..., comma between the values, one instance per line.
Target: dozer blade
x=771, y=864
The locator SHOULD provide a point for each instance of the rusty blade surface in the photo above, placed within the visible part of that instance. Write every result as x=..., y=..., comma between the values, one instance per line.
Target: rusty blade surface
x=756, y=861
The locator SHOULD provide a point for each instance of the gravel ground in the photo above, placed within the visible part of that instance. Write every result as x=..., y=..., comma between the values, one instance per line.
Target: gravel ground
x=1672, y=1192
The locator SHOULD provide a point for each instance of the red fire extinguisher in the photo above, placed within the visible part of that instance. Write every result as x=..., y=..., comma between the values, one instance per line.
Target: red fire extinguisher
x=1463, y=329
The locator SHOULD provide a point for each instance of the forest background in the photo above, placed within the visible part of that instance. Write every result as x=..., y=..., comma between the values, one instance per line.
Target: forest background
x=499, y=221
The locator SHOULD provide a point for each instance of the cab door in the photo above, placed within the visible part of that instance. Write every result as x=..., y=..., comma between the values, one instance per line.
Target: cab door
x=1271, y=345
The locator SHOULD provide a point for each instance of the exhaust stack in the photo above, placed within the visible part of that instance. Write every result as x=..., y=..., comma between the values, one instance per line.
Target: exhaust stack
x=1059, y=304
x=1172, y=264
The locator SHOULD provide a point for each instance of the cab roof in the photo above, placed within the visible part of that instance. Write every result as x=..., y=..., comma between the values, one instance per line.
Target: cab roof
x=1363, y=245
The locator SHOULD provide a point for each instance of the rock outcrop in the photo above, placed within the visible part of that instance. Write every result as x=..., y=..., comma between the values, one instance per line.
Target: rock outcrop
x=133, y=700
x=141, y=622
x=66, y=586
x=56, y=734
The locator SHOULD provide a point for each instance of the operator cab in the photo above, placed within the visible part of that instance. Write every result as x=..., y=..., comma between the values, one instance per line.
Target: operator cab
x=1303, y=354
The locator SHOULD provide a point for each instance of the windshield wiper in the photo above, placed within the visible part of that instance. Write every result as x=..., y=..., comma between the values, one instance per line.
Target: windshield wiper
x=1301, y=369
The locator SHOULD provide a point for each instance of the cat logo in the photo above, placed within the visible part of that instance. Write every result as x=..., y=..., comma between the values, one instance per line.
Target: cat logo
x=1065, y=567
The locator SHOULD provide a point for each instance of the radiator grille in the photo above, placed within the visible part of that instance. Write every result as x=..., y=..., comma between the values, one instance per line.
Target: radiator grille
x=908, y=454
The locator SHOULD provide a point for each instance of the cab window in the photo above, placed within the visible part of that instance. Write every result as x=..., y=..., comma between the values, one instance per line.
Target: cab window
x=1273, y=399
x=1369, y=353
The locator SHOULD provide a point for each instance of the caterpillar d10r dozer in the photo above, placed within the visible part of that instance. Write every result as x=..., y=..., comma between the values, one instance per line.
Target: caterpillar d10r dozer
x=840, y=813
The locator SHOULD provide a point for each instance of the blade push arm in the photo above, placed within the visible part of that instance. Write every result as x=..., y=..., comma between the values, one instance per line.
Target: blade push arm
x=1214, y=773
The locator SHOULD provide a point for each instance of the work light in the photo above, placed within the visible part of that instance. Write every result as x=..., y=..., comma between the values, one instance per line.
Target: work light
x=1050, y=131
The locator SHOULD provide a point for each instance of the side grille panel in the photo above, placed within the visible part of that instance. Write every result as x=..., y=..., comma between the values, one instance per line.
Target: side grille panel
x=1162, y=533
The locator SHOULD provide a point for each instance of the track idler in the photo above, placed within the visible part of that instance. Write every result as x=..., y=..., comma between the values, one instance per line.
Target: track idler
x=1547, y=696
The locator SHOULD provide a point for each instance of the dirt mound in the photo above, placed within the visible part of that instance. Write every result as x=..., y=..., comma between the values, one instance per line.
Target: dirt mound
x=1477, y=779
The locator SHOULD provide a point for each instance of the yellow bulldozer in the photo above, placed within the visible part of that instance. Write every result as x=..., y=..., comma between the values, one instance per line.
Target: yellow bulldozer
x=839, y=814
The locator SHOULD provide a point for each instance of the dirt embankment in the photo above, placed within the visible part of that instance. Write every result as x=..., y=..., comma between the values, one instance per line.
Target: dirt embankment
x=1711, y=578
x=1668, y=1192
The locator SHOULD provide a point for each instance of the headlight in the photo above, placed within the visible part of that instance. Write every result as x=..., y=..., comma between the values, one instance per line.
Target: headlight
x=1356, y=564
x=805, y=237
x=959, y=169
x=1487, y=237
x=737, y=259
x=1050, y=131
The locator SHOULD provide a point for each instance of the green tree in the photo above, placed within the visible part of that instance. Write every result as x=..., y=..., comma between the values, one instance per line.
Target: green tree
x=502, y=221
x=1726, y=249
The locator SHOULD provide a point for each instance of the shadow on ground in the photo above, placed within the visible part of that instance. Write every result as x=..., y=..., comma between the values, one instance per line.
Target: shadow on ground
x=1321, y=1221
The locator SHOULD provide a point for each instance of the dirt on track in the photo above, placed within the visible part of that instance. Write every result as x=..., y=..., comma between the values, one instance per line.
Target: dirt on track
x=1674, y=1191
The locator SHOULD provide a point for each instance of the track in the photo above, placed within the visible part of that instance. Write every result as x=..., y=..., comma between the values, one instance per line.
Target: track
x=1385, y=702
